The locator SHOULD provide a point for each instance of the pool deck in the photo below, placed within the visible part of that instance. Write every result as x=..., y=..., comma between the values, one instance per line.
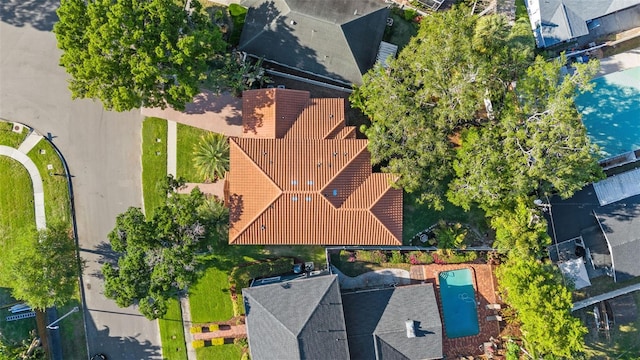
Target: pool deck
x=623, y=61
x=486, y=293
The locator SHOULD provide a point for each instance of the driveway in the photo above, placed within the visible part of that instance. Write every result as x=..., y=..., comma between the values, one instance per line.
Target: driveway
x=103, y=153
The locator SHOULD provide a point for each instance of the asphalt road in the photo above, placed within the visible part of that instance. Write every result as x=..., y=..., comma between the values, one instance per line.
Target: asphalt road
x=102, y=150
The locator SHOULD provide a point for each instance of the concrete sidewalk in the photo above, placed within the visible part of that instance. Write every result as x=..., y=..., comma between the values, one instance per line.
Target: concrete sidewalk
x=36, y=179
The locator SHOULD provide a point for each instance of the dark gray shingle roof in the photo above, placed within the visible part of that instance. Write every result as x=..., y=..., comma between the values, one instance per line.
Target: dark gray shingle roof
x=376, y=323
x=337, y=39
x=300, y=319
x=620, y=223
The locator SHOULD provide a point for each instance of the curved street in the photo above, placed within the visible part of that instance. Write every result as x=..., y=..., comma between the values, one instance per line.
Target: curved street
x=102, y=150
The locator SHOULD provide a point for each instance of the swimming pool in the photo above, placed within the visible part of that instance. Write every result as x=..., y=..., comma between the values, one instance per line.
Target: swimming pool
x=458, y=303
x=611, y=113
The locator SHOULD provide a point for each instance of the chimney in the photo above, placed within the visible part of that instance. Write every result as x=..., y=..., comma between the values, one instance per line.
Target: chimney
x=411, y=331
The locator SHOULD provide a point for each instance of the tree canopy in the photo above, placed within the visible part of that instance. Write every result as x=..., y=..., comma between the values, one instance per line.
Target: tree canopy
x=446, y=117
x=133, y=53
x=543, y=305
x=159, y=257
x=43, y=270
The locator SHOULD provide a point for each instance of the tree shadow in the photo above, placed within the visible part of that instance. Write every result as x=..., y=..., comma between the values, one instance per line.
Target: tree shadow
x=107, y=255
x=209, y=102
x=101, y=341
x=40, y=14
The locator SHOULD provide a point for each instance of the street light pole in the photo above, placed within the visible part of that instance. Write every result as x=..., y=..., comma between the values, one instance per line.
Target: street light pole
x=51, y=327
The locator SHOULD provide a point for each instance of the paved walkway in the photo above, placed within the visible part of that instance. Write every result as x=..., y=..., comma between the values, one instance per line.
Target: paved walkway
x=385, y=277
x=216, y=189
x=186, y=325
x=36, y=179
x=172, y=147
x=606, y=296
x=218, y=113
x=619, y=62
x=234, y=331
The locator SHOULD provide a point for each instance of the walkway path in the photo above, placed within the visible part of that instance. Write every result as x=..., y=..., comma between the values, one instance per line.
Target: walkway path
x=619, y=62
x=218, y=113
x=172, y=147
x=606, y=296
x=216, y=188
x=234, y=331
x=186, y=325
x=36, y=179
x=386, y=277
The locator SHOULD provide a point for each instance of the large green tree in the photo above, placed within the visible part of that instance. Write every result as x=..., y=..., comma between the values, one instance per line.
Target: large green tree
x=133, y=53
x=537, y=143
x=42, y=269
x=434, y=89
x=159, y=256
x=543, y=306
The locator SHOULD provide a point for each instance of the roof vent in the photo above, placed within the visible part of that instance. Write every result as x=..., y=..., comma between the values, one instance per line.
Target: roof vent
x=335, y=153
x=293, y=22
x=319, y=163
x=294, y=198
x=335, y=192
x=309, y=182
x=411, y=330
x=308, y=198
x=294, y=182
x=262, y=227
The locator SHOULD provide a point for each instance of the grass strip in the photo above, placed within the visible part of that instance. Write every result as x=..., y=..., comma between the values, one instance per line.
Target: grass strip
x=154, y=162
x=10, y=138
x=209, y=297
x=172, y=332
x=54, y=182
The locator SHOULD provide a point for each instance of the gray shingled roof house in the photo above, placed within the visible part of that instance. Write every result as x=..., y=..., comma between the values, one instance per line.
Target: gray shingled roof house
x=294, y=320
x=378, y=322
x=333, y=39
x=555, y=21
x=620, y=223
x=309, y=319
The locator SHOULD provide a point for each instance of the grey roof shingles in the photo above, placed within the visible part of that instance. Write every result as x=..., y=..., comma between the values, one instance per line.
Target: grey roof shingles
x=336, y=39
x=300, y=319
x=620, y=223
x=567, y=19
x=376, y=323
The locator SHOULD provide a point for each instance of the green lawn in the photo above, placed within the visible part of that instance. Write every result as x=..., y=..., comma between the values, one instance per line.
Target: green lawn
x=74, y=343
x=224, y=352
x=417, y=217
x=188, y=136
x=401, y=31
x=13, y=331
x=172, y=333
x=56, y=191
x=10, y=138
x=209, y=297
x=154, y=162
x=17, y=215
x=623, y=342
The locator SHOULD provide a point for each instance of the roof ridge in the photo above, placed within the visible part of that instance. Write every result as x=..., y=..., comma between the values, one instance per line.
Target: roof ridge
x=339, y=124
x=282, y=14
x=376, y=201
x=317, y=303
x=344, y=168
x=255, y=301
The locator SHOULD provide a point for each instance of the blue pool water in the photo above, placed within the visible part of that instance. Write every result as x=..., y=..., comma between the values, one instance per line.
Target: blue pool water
x=458, y=303
x=611, y=113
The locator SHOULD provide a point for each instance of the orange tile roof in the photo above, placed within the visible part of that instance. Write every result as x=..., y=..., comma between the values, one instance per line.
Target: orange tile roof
x=307, y=181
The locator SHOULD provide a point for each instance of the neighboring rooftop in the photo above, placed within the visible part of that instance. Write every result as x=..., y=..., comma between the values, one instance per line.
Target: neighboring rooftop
x=555, y=21
x=335, y=39
x=396, y=323
x=300, y=319
x=620, y=223
x=303, y=178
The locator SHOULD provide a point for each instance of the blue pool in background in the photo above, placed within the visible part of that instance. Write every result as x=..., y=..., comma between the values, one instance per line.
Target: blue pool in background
x=458, y=303
x=611, y=113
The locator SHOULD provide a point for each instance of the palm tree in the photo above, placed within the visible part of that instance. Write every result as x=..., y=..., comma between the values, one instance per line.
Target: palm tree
x=211, y=156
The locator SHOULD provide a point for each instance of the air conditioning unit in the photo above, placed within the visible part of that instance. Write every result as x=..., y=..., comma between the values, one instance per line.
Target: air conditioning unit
x=17, y=128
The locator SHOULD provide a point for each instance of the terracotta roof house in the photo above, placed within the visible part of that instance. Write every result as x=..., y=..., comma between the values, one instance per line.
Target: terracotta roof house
x=299, y=176
x=332, y=39
x=296, y=320
x=309, y=319
x=556, y=21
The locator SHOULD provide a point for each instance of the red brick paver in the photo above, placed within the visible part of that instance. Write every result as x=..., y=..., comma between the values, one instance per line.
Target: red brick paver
x=485, y=286
x=234, y=331
x=216, y=189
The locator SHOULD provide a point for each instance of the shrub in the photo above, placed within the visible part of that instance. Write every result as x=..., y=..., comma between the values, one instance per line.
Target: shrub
x=513, y=351
x=197, y=344
x=217, y=341
x=213, y=327
x=410, y=14
x=242, y=342
x=396, y=257
x=419, y=258
x=459, y=257
x=241, y=277
x=375, y=256
x=196, y=329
